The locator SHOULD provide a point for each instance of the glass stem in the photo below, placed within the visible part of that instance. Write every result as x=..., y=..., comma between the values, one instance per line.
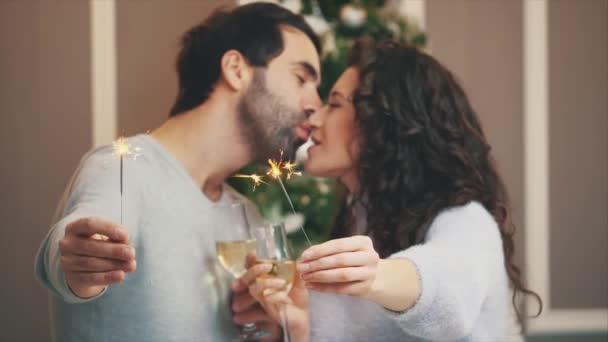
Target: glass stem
x=284, y=323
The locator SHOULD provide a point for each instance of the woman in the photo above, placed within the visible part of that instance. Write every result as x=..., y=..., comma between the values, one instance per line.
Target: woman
x=423, y=248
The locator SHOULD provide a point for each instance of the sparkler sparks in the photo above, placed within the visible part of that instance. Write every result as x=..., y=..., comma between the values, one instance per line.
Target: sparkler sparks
x=277, y=166
x=257, y=180
x=288, y=166
x=275, y=171
x=122, y=148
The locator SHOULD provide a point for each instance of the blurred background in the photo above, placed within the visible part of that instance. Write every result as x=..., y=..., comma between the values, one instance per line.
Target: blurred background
x=75, y=74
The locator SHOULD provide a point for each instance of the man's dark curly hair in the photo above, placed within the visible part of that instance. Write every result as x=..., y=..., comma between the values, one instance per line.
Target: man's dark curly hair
x=422, y=151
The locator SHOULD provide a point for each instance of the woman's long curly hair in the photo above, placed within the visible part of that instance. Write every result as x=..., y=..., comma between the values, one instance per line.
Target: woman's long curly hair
x=422, y=151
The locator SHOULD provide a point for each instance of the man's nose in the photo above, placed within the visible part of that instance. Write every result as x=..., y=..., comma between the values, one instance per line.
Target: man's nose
x=313, y=105
x=314, y=119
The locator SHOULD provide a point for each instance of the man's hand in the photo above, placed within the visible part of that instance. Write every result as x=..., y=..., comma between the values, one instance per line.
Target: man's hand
x=246, y=309
x=95, y=253
x=271, y=295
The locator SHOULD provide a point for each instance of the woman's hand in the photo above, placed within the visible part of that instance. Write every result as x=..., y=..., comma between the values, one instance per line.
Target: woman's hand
x=346, y=266
x=271, y=294
x=352, y=266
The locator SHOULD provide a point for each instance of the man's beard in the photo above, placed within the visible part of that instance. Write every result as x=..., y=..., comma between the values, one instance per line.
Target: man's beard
x=267, y=123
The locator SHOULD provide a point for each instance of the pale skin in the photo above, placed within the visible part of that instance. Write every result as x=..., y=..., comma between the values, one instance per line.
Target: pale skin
x=273, y=296
x=344, y=266
x=97, y=253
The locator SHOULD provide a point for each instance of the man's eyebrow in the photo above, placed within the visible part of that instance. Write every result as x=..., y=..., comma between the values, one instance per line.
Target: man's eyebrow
x=309, y=69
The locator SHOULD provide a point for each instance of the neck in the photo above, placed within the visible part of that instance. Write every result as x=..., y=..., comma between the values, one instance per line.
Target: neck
x=208, y=143
x=350, y=181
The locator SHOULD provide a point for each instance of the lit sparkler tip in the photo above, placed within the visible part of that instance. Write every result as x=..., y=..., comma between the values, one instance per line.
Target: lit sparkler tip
x=274, y=172
x=122, y=148
x=275, y=168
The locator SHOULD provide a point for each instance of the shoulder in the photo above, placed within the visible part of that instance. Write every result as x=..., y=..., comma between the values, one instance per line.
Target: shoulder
x=94, y=163
x=470, y=212
x=470, y=220
x=103, y=164
x=139, y=148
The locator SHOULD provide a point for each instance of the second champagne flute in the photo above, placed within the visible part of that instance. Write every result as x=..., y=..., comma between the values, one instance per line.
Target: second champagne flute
x=272, y=247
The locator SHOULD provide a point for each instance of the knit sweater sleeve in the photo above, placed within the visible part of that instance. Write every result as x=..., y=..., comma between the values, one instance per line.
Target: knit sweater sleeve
x=92, y=192
x=457, y=265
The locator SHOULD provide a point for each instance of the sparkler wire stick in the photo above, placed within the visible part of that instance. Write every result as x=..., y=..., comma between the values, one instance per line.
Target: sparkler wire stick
x=293, y=209
x=121, y=149
x=275, y=172
x=121, y=158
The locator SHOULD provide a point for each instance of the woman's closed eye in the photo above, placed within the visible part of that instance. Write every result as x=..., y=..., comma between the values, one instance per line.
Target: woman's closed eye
x=333, y=105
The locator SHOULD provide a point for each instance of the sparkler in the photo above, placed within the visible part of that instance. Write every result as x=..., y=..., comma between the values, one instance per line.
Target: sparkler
x=121, y=149
x=257, y=180
x=276, y=171
x=288, y=166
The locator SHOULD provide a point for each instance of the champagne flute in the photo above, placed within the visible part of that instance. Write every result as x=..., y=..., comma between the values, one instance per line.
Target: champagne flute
x=273, y=248
x=232, y=250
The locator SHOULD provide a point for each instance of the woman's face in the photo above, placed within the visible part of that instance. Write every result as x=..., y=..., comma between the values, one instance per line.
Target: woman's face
x=333, y=132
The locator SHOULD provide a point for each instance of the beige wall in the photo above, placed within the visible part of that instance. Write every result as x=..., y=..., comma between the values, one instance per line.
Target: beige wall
x=481, y=42
x=44, y=129
x=148, y=35
x=578, y=125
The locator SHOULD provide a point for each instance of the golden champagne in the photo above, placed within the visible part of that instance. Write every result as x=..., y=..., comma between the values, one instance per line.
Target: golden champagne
x=284, y=269
x=233, y=255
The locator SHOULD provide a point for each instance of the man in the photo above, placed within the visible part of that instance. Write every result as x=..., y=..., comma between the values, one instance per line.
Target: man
x=247, y=80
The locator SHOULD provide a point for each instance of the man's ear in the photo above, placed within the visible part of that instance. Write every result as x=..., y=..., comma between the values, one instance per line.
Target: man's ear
x=236, y=71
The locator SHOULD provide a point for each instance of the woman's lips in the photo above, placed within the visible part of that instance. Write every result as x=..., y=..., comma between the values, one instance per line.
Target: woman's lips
x=312, y=147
